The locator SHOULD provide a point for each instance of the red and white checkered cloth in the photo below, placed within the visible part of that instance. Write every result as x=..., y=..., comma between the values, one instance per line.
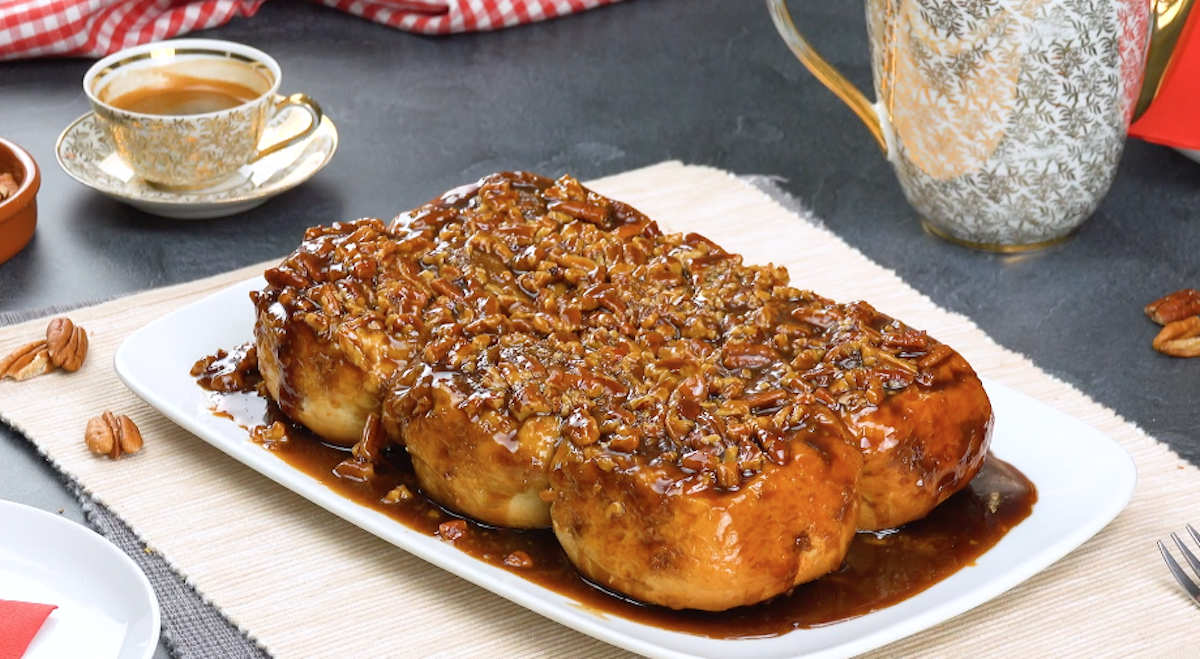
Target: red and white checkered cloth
x=94, y=28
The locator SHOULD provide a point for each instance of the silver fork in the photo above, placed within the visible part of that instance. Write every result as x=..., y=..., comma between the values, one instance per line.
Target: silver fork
x=1184, y=580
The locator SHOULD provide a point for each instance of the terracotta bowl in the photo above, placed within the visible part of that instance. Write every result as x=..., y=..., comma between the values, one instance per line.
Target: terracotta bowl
x=18, y=213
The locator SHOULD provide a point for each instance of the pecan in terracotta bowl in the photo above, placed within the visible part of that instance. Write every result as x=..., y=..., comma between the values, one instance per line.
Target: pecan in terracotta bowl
x=18, y=207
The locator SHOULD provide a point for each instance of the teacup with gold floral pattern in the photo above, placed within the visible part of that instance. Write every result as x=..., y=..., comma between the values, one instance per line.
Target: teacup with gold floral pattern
x=188, y=113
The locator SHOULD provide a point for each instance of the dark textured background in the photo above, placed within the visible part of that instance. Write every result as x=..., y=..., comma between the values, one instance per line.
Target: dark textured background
x=702, y=81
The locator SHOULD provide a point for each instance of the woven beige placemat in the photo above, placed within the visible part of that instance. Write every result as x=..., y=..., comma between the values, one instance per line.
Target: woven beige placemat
x=306, y=584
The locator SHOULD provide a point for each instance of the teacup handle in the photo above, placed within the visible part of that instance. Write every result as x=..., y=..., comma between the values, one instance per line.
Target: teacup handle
x=303, y=102
x=827, y=74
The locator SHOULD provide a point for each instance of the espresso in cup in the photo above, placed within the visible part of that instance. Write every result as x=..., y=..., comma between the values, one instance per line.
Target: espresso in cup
x=188, y=113
x=183, y=94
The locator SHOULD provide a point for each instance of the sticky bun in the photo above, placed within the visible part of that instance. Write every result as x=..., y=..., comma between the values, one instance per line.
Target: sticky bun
x=697, y=432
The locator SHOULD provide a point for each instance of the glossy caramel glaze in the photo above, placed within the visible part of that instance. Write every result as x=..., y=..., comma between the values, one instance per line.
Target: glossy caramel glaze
x=548, y=356
x=880, y=569
x=661, y=533
x=322, y=350
x=921, y=442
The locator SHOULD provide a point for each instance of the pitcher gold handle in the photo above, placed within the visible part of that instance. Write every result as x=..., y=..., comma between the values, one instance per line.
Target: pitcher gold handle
x=1167, y=18
x=827, y=74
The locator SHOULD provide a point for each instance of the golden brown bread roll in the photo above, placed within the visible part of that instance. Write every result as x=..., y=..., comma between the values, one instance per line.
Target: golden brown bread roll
x=330, y=333
x=313, y=381
x=921, y=446
x=710, y=526
x=476, y=448
x=699, y=433
x=919, y=412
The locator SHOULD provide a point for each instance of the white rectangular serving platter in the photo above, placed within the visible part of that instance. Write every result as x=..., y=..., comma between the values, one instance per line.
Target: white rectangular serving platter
x=1084, y=480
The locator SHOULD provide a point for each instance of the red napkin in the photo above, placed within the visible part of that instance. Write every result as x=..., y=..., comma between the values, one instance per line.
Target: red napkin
x=1171, y=119
x=94, y=28
x=19, y=623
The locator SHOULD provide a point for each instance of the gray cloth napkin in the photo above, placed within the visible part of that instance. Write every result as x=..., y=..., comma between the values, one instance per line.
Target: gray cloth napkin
x=192, y=628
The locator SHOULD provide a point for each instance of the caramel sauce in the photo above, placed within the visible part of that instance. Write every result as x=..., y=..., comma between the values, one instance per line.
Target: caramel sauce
x=881, y=568
x=680, y=393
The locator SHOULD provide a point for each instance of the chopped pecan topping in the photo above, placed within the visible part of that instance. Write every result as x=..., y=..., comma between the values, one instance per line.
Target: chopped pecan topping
x=229, y=371
x=453, y=530
x=361, y=465
x=518, y=559
x=532, y=297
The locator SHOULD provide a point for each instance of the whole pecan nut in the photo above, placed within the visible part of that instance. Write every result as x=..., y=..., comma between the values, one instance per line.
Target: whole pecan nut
x=27, y=361
x=112, y=435
x=1176, y=306
x=1180, y=338
x=68, y=344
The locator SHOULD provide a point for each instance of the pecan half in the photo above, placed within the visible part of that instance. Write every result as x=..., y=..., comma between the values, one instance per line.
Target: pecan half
x=1180, y=338
x=68, y=344
x=1176, y=306
x=112, y=435
x=27, y=361
x=8, y=186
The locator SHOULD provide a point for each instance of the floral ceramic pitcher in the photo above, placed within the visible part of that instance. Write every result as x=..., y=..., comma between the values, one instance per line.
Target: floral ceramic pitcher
x=1004, y=119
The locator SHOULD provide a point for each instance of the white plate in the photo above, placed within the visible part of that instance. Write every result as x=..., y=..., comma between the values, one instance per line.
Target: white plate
x=1083, y=478
x=85, y=154
x=106, y=607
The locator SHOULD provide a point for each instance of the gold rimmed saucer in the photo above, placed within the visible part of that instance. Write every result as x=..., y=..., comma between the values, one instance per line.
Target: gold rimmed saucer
x=84, y=153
